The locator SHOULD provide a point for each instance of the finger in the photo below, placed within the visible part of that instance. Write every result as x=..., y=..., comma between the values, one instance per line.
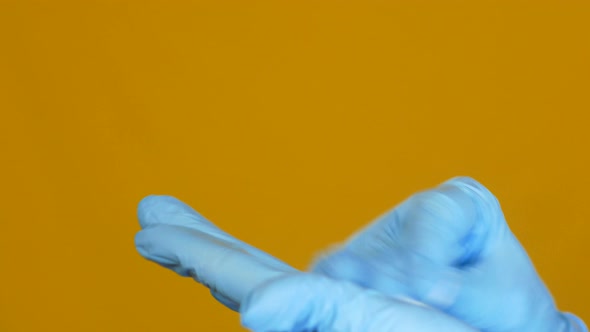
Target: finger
x=416, y=248
x=178, y=238
x=451, y=248
x=166, y=210
x=218, y=264
x=448, y=224
x=307, y=302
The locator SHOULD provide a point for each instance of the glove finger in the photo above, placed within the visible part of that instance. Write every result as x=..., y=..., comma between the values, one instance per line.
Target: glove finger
x=178, y=238
x=451, y=248
x=448, y=224
x=166, y=210
x=417, y=248
x=308, y=302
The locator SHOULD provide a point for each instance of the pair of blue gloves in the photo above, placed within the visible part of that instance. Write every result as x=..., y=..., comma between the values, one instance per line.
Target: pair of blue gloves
x=443, y=260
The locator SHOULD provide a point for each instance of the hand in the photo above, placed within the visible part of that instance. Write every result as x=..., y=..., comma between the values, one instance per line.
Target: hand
x=451, y=248
x=270, y=295
x=440, y=247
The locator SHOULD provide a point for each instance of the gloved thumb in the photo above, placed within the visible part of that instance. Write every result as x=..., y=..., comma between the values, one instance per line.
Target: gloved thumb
x=309, y=302
x=450, y=247
x=418, y=248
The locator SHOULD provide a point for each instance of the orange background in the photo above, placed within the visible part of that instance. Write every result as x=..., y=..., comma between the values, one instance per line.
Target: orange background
x=289, y=123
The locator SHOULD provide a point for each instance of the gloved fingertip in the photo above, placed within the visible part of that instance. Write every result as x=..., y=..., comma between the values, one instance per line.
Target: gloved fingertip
x=461, y=179
x=487, y=212
x=146, y=207
x=163, y=209
x=475, y=190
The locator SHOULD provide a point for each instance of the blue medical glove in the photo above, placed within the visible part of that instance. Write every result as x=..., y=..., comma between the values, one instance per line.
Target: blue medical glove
x=451, y=248
x=178, y=238
x=270, y=295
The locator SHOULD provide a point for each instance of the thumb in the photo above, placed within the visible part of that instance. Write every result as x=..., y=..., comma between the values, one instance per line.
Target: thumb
x=309, y=302
x=418, y=248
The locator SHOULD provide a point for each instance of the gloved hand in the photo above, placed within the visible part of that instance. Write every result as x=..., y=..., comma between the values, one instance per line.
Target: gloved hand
x=445, y=247
x=451, y=248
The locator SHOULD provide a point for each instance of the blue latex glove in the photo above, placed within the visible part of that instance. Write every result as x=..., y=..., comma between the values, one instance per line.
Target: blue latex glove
x=391, y=256
x=270, y=295
x=178, y=238
x=451, y=248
